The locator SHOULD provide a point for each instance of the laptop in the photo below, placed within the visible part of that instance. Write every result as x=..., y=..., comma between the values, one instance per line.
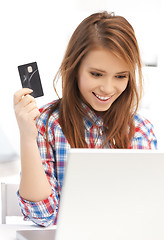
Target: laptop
x=112, y=194
x=36, y=234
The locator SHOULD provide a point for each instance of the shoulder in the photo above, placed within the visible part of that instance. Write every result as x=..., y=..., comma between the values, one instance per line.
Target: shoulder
x=53, y=120
x=144, y=136
x=142, y=125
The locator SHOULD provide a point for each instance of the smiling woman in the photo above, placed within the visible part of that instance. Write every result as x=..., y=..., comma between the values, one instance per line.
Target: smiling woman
x=101, y=42
x=98, y=109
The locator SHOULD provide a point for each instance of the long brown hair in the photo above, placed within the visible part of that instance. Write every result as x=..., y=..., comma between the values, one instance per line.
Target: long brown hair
x=116, y=34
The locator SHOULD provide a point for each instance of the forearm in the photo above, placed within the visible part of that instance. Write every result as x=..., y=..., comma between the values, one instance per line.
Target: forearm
x=34, y=185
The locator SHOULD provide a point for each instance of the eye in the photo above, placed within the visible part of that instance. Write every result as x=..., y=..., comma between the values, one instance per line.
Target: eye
x=96, y=74
x=122, y=76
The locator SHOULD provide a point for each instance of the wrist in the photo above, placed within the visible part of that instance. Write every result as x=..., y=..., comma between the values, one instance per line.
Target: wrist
x=25, y=138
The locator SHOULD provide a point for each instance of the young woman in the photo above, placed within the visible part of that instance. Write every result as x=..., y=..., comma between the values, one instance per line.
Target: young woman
x=100, y=97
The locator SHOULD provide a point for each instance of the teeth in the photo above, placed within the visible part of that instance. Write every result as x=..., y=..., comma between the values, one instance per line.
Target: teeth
x=102, y=98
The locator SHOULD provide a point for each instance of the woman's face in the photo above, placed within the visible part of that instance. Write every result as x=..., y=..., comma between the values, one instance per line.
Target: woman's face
x=102, y=77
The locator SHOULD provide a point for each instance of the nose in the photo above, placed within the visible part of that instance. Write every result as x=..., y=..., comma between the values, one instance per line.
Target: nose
x=107, y=86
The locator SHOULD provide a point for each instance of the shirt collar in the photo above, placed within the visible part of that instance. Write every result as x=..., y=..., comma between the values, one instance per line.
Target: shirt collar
x=91, y=115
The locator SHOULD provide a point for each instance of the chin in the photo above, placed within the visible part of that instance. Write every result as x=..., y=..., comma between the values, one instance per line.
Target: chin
x=101, y=109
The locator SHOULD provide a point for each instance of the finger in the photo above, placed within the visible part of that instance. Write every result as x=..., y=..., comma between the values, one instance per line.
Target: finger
x=29, y=107
x=34, y=114
x=25, y=105
x=19, y=94
x=27, y=100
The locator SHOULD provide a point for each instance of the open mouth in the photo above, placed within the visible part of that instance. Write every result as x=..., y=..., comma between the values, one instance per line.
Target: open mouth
x=101, y=98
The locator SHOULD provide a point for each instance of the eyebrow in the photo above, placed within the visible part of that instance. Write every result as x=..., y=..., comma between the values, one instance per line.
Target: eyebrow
x=99, y=70
x=122, y=72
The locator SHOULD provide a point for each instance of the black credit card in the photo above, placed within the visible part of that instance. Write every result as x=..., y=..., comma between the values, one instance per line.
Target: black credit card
x=30, y=78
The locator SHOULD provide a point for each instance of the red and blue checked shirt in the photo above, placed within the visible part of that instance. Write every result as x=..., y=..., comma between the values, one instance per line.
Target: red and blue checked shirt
x=45, y=212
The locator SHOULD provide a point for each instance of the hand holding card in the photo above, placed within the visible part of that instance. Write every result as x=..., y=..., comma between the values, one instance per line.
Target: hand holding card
x=30, y=78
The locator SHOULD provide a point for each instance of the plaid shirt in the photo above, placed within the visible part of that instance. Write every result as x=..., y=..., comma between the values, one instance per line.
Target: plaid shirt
x=45, y=212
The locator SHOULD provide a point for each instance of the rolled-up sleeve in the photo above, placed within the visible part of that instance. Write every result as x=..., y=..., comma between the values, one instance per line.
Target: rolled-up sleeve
x=42, y=213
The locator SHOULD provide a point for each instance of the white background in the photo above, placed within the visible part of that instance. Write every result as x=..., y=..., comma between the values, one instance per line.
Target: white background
x=37, y=30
